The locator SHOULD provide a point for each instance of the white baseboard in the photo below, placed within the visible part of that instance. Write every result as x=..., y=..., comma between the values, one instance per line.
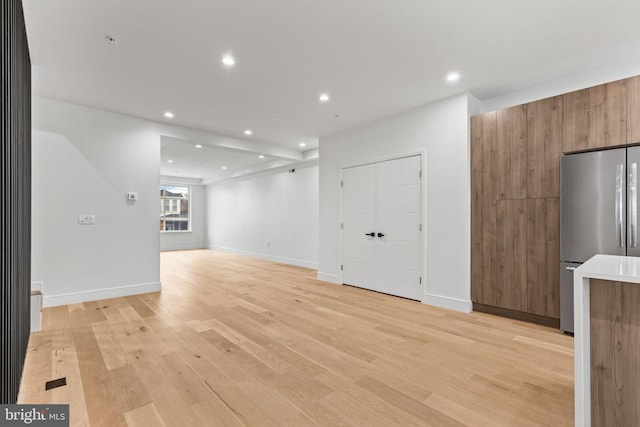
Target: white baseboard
x=36, y=286
x=268, y=257
x=328, y=277
x=98, y=294
x=465, y=306
x=182, y=248
x=36, y=306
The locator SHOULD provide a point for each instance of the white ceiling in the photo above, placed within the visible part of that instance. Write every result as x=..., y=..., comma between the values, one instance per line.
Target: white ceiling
x=374, y=57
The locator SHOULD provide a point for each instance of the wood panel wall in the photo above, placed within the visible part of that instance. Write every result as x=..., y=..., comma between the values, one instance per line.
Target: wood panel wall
x=515, y=191
x=15, y=198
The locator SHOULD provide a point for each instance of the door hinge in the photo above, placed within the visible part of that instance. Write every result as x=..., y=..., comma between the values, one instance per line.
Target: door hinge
x=421, y=280
x=341, y=184
x=341, y=226
x=341, y=267
x=420, y=227
x=420, y=174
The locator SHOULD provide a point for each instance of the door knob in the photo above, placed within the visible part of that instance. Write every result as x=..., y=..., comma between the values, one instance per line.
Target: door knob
x=380, y=235
x=370, y=234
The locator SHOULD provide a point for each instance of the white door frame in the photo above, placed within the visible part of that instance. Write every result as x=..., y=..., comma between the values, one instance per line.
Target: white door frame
x=423, y=208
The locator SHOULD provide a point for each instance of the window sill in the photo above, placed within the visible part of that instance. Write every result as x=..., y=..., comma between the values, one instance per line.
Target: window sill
x=174, y=231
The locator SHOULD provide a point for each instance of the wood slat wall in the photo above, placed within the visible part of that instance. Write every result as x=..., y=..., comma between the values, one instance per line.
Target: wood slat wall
x=15, y=198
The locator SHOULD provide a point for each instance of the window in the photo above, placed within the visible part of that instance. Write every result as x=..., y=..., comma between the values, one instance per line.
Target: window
x=174, y=208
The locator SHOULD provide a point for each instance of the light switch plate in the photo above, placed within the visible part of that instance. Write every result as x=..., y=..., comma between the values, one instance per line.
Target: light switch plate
x=87, y=219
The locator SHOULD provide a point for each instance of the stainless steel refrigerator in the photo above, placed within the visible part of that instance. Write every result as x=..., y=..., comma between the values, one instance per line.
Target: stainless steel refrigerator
x=598, y=213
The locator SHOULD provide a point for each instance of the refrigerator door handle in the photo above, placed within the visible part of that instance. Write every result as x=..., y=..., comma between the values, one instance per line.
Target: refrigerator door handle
x=633, y=205
x=619, y=203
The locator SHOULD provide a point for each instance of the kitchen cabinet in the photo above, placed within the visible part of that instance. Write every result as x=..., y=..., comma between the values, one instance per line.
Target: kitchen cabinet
x=544, y=147
x=483, y=207
x=511, y=256
x=595, y=117
x=633, y=110
x=515, y=186
x=543, y=253
x=511, y=153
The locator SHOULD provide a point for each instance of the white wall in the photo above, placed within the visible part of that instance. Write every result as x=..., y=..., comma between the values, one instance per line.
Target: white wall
x=84, y=162
x=196, y=238
x=271, y=216
x=441, y=131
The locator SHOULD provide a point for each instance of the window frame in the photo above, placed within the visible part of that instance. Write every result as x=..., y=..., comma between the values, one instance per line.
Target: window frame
x=178, y=184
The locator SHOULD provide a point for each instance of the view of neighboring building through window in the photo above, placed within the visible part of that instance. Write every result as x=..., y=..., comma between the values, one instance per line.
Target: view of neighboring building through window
x=174, y=208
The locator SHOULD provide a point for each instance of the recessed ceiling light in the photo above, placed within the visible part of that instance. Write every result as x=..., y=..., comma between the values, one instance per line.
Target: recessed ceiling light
x=224, y=168
x=228, y=60
x=302, y=144
x=168, y=115
x=323, y=97
x=248, y=132
x=169, y=161
x=453, y=77
x=198, y=146
x=261, y=156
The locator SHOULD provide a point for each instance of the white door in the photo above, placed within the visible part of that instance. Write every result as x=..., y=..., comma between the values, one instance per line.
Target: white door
x=358, y=225
x=389, y=205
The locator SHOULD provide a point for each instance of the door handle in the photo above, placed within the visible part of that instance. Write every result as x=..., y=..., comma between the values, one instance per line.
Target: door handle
x=633, y=205
x=380, y=235
x=619, y=212
x=370, y=234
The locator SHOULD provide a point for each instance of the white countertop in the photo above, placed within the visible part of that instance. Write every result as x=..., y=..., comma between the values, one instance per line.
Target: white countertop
x=611, y=267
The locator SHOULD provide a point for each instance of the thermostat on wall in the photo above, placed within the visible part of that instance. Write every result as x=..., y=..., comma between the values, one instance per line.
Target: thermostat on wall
x=132, y=196
x=87, y=219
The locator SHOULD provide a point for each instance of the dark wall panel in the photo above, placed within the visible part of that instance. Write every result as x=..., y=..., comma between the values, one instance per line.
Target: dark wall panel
x=15, y=198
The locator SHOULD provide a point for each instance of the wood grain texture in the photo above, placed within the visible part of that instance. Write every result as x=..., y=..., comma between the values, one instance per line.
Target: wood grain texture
x=511, y=153
x=595, y=117
x=483, y=207
x=235, y=341
x=615, y=345
x=511, y=255
x=544, y=147
x=543, y=257
x=633, y=110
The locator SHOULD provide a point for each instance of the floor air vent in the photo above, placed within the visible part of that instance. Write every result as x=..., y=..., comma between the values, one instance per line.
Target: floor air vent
x=55, y=383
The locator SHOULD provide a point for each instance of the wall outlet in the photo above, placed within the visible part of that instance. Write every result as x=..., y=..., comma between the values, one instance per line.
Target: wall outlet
x=87, y=219
x=131, y=195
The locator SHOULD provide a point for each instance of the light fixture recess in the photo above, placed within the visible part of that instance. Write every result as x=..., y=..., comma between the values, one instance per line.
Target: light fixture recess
x=248, y=132
x=324, y=97
x=198, y=145
x=224, y=168
x=302, y=144
x=453, y=77
x=168, y=114
x=169, y=161
x=261, y=156
x=228, y=60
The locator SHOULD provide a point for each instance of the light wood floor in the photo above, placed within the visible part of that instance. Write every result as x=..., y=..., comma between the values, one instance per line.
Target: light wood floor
x=233, y=341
